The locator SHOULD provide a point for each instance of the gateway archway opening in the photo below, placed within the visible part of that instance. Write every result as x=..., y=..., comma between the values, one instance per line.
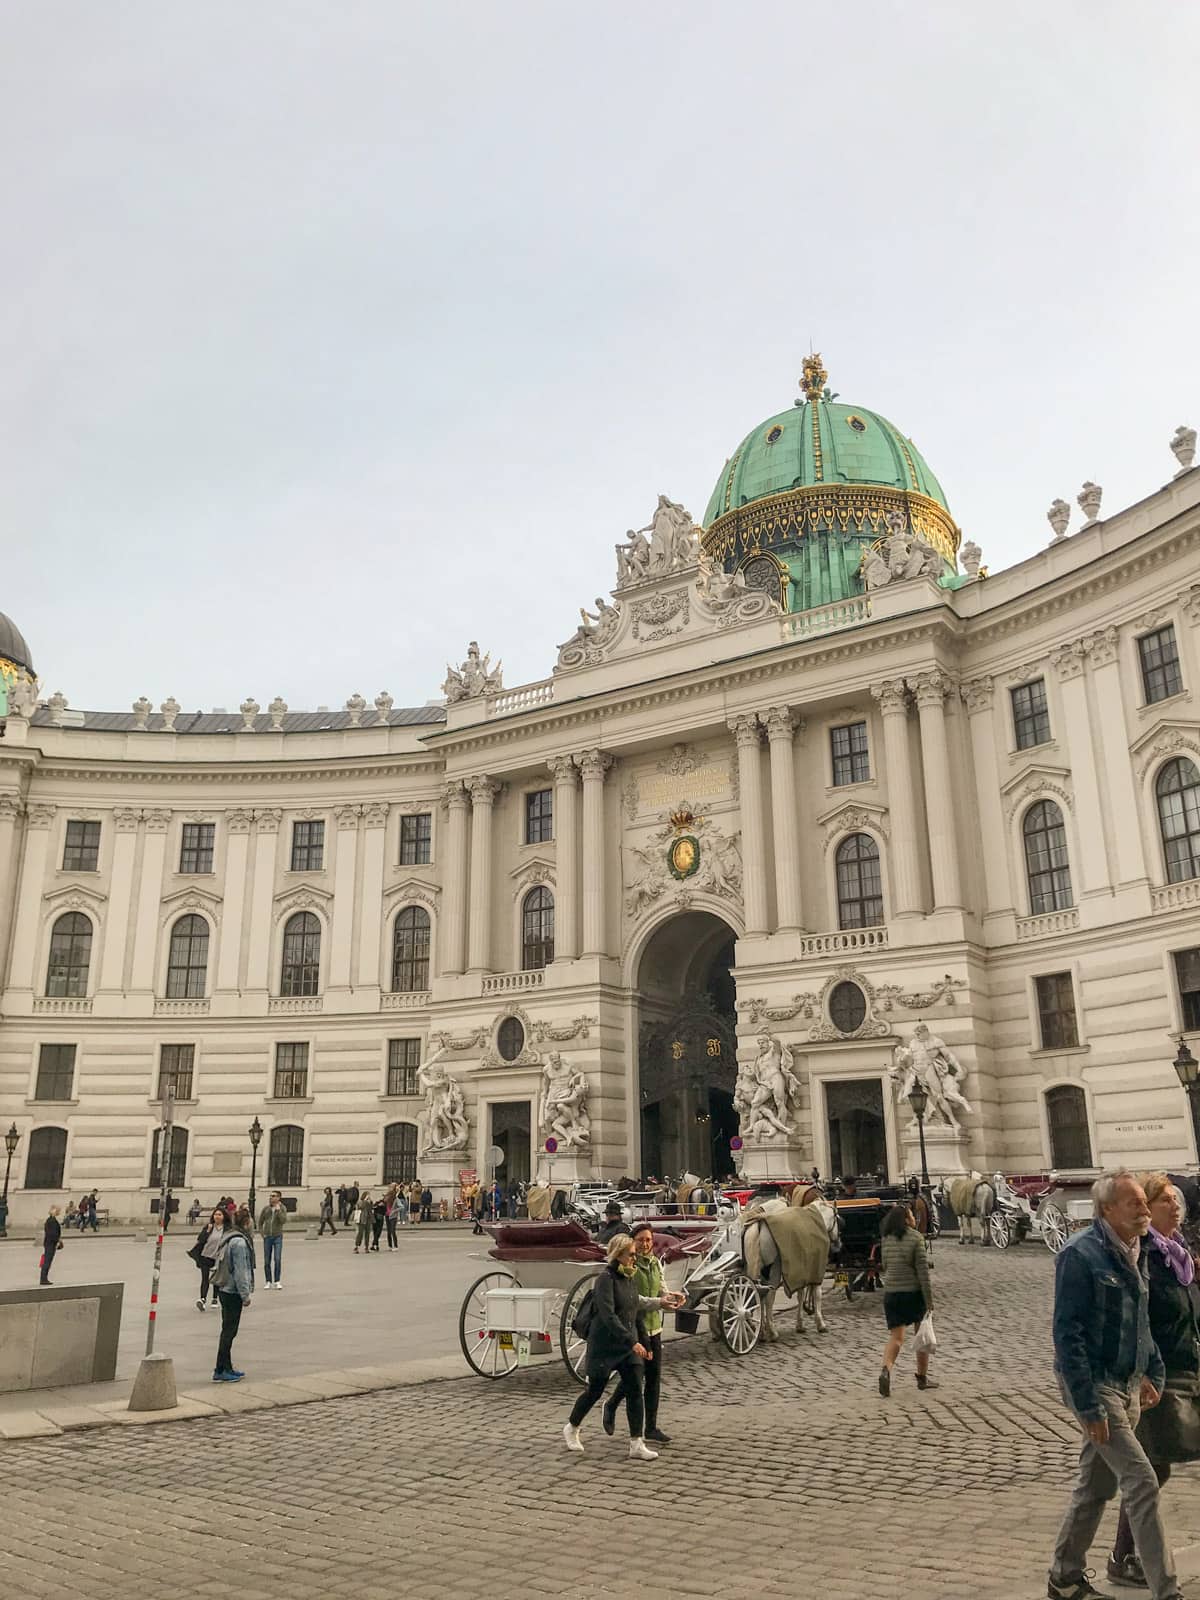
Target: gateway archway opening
x=687, y=1047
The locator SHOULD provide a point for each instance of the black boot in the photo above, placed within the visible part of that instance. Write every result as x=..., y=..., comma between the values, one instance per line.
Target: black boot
x=608, y=1418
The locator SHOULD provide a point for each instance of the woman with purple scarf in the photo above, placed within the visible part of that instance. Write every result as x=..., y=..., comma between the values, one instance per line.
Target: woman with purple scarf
x=1171, y=1431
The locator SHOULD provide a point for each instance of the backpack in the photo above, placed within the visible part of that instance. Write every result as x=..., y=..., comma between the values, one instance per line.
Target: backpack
x=581, y=1322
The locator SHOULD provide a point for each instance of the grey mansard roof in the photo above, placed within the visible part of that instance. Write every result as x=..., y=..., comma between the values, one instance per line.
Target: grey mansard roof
x=231, y=721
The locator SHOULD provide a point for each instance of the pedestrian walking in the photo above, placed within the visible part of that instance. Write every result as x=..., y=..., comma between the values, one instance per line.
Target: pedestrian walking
x=234, y=1281
x=378, y=1218
x=91, y=1221
x=908, y=1293
x=649, y=1279
x=326, y=1212
x=477, y=1209
x=168, y=1202
x=364, y=1215
x=426, y=1204
x=1170, y=1433
x=51, y=1244
x=204, y=1253
x=414, y=1202
x=402, y=1205
x=1109, y=1370
x=341, y=1203
x=193, y=1215
x=352, y=1198
x=271, y=1222
x=392, y=1216
x=616, y=1342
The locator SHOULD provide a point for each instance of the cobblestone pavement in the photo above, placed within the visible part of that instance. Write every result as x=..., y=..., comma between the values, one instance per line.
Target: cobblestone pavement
x=788, y=1476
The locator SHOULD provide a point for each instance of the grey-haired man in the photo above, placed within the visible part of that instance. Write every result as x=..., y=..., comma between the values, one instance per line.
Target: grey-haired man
x=1109, y=1369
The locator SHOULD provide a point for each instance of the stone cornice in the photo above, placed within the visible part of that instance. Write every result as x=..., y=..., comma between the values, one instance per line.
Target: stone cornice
x=54, y=769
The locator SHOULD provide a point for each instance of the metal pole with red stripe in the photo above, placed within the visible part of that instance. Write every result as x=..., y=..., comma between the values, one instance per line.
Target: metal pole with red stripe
x=165, y=1138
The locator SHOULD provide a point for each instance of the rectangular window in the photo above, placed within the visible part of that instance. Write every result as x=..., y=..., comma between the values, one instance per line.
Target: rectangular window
x=196, y=847
x=175, y=1064
x=416, y=838
x=291, y=1071
x=851, y=763
x=176, y=1166
x=1159, y=656
x=81, y=853
x=1031, y=715
x=404, y=1057
x=1187, y=976
x=308, y=846
x=56, y=1072
x=1056, y=1011
x=539, y=816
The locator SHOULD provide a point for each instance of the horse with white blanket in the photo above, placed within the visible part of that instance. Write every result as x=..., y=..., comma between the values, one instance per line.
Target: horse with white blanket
x=787, y=1246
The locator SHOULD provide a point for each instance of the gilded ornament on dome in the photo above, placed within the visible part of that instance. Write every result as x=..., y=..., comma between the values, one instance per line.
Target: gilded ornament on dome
x=856, y=424
x=815, y=376
x=774, y=434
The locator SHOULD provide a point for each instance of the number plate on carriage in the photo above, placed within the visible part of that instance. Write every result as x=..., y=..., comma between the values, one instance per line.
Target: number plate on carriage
x=841, y=1279
x=505, y=1341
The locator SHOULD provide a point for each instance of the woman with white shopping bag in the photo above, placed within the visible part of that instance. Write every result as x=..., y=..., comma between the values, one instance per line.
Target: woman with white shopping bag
x=908, y=1296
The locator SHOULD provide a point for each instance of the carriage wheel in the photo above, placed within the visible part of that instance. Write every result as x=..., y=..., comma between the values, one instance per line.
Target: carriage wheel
x=740, y=1314
x=573, y=1348
x=1053, y=1226
x=481, y=1348
x=999, y=1229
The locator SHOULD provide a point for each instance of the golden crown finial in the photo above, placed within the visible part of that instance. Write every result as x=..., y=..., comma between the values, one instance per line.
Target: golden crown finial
x=683, y=818
x=815, y=377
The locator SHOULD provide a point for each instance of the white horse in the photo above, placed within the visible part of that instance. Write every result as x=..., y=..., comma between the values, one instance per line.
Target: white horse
x=817, y=1232
x=970, y=1199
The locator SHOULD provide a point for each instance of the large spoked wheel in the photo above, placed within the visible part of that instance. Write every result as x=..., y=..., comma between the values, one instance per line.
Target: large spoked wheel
x=1054, y=1226
x=739, y=1314
x=483, y=1350
x=999, y=1229
x=573, y=1348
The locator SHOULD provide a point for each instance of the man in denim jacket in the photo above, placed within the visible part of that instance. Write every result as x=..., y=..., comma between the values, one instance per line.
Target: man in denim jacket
x=1109, y=1368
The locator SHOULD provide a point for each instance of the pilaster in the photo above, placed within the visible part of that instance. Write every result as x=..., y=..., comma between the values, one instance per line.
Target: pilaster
x=891, y=696
x=479, y=938
x=454, y=917
x=785, y=819
x=594, y=765
x=930, y=690
x=566, y=858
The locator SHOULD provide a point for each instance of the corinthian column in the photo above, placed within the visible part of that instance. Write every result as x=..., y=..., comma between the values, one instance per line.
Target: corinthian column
x=930, y=689
x=36, y=847
x=262, y=898
x=593, y=764
x=11, y=809
x=745, y=731
x=345, y=867
x=116, y=925
x=566, y=859
x=237, y=855
x=1085, y=776
x=784, y=816
x=906, y=882
x=977, y=695
x=150, y=888
x=455, y=918
x=479, y=941
x=1103, y=650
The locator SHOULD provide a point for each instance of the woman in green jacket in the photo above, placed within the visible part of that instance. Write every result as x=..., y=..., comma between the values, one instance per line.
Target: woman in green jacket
x=908, y=1294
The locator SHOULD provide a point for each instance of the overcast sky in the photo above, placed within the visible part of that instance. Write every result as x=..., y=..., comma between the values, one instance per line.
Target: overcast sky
x=333, y=335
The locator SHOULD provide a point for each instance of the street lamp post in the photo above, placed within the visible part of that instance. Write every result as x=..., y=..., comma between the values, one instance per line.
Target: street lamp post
x=1188, y=1070
x=11, y=1140
x=918, y=1099
x=256, y=1133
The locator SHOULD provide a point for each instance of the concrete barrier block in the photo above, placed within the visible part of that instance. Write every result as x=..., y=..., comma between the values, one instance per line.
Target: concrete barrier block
x=154, y=1386
x=66, y=1343
x=18, y=1336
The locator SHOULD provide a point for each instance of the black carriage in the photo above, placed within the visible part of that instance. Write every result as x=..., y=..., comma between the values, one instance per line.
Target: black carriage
x=857, y=1265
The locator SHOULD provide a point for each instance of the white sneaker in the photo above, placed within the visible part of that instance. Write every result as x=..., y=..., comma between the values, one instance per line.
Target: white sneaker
x=278, y=1285
x=640, y=1451
x=571, y=1435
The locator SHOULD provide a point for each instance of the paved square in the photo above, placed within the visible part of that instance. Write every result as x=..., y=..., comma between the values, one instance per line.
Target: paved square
x=788, y=1475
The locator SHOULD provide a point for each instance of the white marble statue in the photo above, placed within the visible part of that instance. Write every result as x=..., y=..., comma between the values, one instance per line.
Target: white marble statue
x=475, y=677
x=564, y=1113
x=593, y=630
x=22, y=699
x=445, y=1114
x=929, y=1061
x=720, y=588
x=767, y=1094
x=900, y=556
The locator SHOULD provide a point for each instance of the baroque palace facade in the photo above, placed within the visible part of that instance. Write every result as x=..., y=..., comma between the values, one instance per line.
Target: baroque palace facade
x=810, y=772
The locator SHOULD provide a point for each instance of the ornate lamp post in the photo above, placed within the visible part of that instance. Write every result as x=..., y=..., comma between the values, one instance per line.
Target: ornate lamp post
x=1188, y=1069
x=256, y=1133
x=11, y=1140
x=918, y=1100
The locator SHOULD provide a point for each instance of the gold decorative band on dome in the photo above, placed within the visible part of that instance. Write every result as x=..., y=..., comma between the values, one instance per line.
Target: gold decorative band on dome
x=841, y=508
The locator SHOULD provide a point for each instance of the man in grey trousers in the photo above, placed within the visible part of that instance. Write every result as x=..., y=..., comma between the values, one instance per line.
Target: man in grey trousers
x=1109, y=1369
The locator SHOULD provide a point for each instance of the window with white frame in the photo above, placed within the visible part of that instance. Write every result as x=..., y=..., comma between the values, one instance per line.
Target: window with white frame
x=196, y=846
x=1047, y=869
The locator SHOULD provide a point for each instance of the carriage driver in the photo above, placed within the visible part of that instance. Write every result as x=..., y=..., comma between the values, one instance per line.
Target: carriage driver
x=613, y=1223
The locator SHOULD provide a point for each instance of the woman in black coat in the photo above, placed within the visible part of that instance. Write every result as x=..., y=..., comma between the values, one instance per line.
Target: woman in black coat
x=1168, y=1433
x=616, y=1342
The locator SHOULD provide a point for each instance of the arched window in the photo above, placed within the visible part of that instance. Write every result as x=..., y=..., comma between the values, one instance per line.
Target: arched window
x=47, y=1158
x=399, y=1152
x=187, y=963
x=1178, y=791
x=177, y=1166
x=410, y=951
x=301, y=970
x=859, y=885
x=1046, y=866
x=1067, y=1120
x=285, y=1160
x=70, y=955
x=537, y=929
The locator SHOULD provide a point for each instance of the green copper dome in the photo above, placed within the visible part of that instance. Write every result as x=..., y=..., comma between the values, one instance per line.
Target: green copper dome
x=810, y=491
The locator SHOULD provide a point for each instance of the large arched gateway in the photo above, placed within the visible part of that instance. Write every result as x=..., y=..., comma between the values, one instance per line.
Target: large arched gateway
x=687, y=1046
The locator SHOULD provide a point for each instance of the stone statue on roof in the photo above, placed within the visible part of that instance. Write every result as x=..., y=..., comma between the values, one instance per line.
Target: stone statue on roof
x=476, y=676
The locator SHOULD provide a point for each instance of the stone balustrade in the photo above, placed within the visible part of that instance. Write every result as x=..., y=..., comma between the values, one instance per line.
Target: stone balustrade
x=1046, y=924
x=510, y=982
